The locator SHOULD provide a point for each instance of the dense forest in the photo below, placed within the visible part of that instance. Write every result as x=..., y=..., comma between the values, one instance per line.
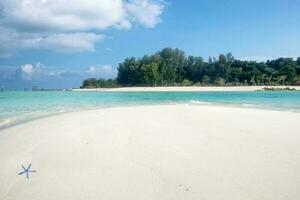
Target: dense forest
x=171, y=67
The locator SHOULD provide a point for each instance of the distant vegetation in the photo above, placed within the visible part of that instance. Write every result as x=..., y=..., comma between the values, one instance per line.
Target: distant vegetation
x=171, y=67
x=99, y=83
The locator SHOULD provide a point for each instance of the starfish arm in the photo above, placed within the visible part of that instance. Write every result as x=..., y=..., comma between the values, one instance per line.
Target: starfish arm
x=31, y=171
x=24, y=168
x=22, y=173
x=27, y=176
x=28, y=167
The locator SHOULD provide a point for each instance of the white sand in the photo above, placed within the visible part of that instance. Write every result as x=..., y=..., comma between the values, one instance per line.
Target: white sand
x=185, y=89
x=154, y=152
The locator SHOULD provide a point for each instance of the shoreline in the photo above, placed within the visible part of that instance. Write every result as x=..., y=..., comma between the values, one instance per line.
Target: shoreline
x=185, y=89
x=184, y=152
x=7, y=123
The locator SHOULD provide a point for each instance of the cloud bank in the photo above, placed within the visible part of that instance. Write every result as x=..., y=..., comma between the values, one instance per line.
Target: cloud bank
x=32, y=75
x=69, y=25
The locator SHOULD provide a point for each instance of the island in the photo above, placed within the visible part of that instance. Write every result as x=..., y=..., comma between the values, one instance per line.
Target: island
x=171, y=67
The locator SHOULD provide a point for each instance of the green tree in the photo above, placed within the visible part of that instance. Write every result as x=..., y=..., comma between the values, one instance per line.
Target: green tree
x=172, y=67
x=206, y=80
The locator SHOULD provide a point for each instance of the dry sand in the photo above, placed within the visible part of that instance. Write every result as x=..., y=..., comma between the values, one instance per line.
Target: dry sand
x=185, y=89
x=156, y=153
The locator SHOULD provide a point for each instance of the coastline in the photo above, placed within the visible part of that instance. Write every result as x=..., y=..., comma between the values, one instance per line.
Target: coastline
x=184, y=89
x=7, y=123
x=151, y=152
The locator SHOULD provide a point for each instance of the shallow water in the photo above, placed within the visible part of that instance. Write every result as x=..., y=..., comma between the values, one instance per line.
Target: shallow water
x=19, y=106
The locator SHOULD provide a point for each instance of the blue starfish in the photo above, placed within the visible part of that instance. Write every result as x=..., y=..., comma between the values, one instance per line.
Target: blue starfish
x=26, y=170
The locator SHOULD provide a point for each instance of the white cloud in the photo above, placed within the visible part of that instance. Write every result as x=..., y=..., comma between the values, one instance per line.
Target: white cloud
x=29, y=71
x=102, y=71
x=62, y=15
x=33, y=72
x=38, y=71
x=56, y=24
x=145, y=12
x=70, y=42
x=11, y=41
x=30, y=75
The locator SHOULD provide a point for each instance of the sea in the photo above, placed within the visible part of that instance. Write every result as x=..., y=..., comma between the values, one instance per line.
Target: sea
x=21, y=106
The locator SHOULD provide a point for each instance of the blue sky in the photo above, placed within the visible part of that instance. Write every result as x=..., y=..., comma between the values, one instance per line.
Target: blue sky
x=48, y=44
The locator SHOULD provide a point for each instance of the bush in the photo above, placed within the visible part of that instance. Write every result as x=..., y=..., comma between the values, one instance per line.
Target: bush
x=186, y=82
x=220, y=82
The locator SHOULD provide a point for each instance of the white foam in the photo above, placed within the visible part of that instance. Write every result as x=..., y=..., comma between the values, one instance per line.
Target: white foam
x=4, y=122
x=248, y=105
x=199, y=102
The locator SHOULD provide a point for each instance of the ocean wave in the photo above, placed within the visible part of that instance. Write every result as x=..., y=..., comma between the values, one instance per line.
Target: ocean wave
x=4, y=122
x=199, y=102
x=248, y=105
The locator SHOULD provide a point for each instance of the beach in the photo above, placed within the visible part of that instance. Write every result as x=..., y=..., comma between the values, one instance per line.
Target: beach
x=187, y=89
x=149, y=100
x=154, y=152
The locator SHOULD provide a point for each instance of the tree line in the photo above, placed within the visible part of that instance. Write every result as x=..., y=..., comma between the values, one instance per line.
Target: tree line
x=171, y=67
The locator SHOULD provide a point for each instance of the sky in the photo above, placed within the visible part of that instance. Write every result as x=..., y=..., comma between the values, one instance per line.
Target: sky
x=58, y=43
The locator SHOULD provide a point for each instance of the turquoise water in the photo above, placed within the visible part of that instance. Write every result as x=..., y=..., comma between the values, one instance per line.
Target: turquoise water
x=20, y=106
